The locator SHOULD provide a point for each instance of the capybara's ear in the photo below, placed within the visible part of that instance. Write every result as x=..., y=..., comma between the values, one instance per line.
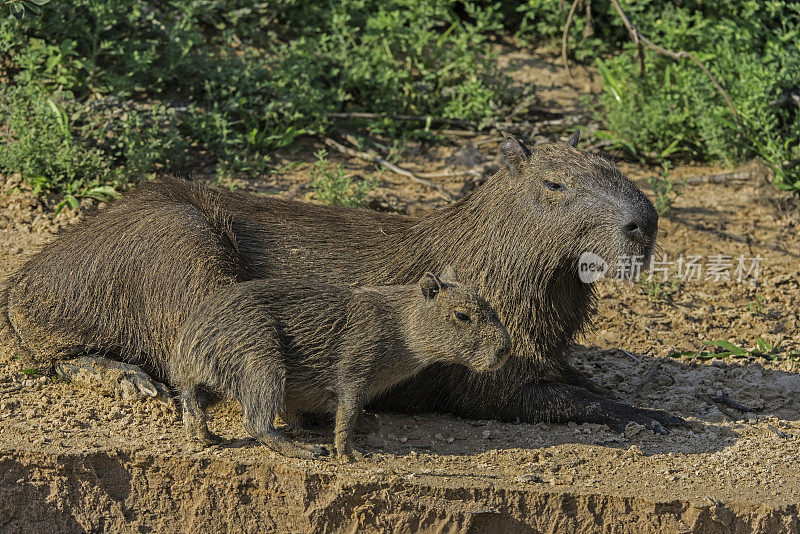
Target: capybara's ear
x=430, y=285
x=514, y=154
x=449, y=275
x=573, y=141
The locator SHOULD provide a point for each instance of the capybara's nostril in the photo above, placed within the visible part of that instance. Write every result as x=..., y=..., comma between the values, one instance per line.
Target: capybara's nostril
x=632, y=230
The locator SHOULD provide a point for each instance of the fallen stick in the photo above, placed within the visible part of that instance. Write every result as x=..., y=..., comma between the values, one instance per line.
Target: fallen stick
x=353, y=140
x=727, y=401
x=373, y=156
x=751, y=171
x=650, y=375
x=566, y=34
x=364, y=115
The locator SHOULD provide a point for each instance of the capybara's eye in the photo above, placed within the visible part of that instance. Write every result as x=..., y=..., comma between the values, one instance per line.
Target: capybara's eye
x=463, y=317
x=553, y=186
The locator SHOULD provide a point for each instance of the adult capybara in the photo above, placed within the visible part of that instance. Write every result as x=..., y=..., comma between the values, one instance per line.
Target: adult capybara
x=123, y=281
x=295, y=347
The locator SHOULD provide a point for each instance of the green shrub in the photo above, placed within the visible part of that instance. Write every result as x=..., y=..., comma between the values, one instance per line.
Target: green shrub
x=752, y=49
x=337, y=187
x=60, y=144
x=247, y=76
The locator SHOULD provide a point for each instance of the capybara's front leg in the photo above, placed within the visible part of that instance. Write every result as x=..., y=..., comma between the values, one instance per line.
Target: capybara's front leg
x=125, y=379
x=194, y=419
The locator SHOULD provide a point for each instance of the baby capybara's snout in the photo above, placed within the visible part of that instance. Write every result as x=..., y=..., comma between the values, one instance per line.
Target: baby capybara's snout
x=495, y=352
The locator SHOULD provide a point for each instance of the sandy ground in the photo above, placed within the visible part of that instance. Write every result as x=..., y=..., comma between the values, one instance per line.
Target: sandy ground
x=75, y=458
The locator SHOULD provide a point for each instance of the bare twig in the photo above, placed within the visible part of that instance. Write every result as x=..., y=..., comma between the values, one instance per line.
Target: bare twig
x=353, y=140
x=634, y=358
x=373, y=156
x=751, y=171
x=449, y=174
x=727, y=401
x=566, y=34
x=650, y=375
x=638, y=38
x=364, y=115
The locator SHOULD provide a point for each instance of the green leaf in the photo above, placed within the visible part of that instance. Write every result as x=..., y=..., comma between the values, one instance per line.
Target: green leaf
x=609, y=82
x=728, y=346
x=671, y=149
x=103, y=192
x=61, y=118
x=59, y=208
x=72, y=201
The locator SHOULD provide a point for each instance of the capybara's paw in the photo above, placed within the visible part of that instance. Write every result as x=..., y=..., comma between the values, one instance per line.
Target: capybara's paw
x=351, y=455
x=310, y=452
x=209, y=438
x=305, y=451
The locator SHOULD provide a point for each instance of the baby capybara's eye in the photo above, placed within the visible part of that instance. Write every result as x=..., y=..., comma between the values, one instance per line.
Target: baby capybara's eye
x=463, y=317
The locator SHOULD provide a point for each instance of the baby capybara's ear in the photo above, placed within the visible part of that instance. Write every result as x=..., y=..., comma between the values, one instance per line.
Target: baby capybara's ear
x=430, y=285
x=449, y=275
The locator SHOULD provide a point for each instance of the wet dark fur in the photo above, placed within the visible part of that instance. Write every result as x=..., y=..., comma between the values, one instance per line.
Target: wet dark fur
x=292, y=347
x=125, y=280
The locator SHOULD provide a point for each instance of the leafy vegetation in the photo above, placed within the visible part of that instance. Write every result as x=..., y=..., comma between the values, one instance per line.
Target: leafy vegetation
x=723, y=348
x=336, y=187
x=666, y=191
x=658, y=291
x=672, y=109
x=237, y=79
x=95, y=94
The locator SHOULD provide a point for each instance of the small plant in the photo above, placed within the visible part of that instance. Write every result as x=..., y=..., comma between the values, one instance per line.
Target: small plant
x=337, y=187
x=658, y=291
x=758, y=305
x=723, y=349
x=665, y=190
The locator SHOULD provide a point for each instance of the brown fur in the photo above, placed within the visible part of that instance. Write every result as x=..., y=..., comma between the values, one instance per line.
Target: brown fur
x=125, y=280
x=299, y=347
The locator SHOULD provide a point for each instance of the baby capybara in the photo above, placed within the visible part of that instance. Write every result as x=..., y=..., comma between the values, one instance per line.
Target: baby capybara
x=292, y=348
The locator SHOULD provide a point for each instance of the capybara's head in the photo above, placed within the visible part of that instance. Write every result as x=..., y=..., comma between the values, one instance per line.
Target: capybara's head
x=567, y=202
x=453, y=323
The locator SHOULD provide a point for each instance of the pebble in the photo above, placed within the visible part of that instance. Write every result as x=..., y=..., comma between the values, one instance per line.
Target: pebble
x=486, y=434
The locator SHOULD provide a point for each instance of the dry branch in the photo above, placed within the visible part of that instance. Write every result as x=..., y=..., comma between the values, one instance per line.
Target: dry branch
x=566, y=33
x=753, y=171
x=373, y=156
x=364, y=115
x=653, y=371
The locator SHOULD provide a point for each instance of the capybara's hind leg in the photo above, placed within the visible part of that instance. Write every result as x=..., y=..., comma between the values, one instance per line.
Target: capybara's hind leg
x=262, y=398
x=195, y=420
x=281, y=444
x=124, y=379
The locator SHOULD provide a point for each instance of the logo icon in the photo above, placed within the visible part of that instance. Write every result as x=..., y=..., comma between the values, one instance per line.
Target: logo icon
x=591, y=267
